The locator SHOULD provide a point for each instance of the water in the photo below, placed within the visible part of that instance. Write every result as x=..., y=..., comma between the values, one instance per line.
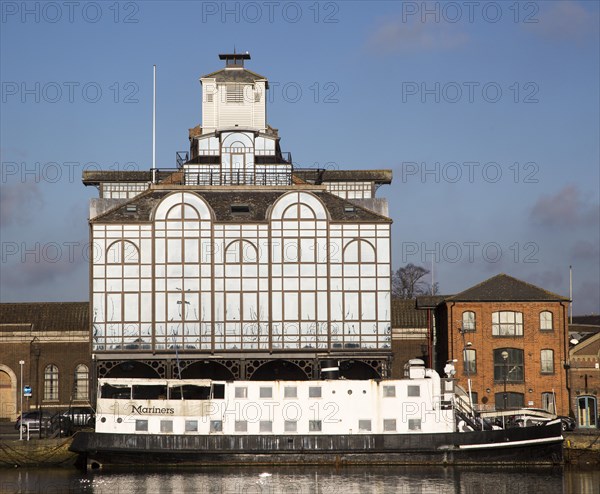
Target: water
x=287, y=480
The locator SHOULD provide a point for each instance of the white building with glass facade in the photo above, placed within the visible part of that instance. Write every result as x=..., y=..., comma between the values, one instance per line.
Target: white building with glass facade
x=236, y=265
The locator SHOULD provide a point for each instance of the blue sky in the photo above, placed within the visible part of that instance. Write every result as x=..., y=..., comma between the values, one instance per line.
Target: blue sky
x=488, y=115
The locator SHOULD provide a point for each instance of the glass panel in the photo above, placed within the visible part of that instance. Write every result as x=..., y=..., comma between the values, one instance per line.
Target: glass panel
x=364, y=425
x=314, y=392
x=191, y=426
x=266, y=392
x=414, y=424
x=389, y=425
x=414, y=391
x=141, y=425
x=266, y=426
x=315, y=426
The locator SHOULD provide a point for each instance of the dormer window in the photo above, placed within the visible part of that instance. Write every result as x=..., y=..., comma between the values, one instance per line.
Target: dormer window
x=240, y=208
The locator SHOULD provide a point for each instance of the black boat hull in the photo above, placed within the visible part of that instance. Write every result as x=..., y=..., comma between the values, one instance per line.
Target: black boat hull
x=529, y=445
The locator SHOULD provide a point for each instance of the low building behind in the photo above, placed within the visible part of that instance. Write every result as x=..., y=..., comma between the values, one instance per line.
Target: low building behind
x=510, y=340
x=52, y=341
x=584, y=371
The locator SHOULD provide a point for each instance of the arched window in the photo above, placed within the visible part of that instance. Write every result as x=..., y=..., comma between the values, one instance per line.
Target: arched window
x=468, y=321
x=82, y=383
x=546, y=321
x=51, y=383
x=122, y=252
x=547, y=361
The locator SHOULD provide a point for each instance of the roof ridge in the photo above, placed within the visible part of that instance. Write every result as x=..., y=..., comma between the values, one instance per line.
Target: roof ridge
x=503, y=276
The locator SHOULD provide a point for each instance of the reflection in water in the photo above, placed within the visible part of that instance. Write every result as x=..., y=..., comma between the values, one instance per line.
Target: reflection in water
x=288, y=480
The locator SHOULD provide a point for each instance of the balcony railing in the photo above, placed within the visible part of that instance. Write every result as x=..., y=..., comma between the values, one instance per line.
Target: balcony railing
x=272, y=176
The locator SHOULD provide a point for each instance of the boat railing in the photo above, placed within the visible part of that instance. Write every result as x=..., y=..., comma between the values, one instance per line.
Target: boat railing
x=462, y=401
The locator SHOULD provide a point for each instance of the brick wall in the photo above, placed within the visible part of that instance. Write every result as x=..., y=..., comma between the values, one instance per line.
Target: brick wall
x=65, y=355
x=532, y=342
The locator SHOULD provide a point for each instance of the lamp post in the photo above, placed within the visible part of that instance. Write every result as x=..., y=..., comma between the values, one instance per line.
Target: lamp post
x=505, y=358
x=467, y=366
x=21, y=364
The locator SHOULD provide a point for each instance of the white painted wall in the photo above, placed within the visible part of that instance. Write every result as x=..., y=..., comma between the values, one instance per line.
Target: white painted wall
x=339, y=408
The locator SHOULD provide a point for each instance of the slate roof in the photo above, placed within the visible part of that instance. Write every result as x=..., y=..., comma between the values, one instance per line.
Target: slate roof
x=504, y=288
x=406, y=315
x=47, y=316
x=430, y=301
x=236, y=74
x=318, y=176
x=221, y=201
x=95, y=177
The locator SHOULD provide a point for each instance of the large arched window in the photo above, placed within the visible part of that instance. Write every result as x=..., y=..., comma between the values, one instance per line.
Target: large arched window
x=299, y=272
x=51, y=383
x=82, y=383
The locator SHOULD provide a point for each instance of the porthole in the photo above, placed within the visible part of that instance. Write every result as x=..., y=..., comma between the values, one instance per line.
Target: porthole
x=349, y=391
x=119, y=420
x=103, y=419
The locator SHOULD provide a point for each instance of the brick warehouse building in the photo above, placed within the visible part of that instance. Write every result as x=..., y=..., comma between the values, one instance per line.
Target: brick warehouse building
x=52, y=339
x=585, y=380
x=236, y=265
x=511, y=339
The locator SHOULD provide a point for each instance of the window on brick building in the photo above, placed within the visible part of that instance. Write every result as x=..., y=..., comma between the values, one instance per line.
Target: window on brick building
x=82, y=383
x=468, y=321
x=549, y=401
x=511, y=400
x=546, y=321
x=547, y=361
x=512, y=368
x=51, y=383
x=507, y=323
x=470, y=361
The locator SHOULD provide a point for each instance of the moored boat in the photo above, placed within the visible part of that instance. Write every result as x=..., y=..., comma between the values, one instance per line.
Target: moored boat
x=417, y=420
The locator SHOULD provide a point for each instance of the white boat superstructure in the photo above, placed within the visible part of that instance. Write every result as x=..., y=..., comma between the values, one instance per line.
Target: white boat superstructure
x=203, y=407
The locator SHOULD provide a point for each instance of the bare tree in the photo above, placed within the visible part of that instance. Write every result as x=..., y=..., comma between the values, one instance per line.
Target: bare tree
x=407, y=282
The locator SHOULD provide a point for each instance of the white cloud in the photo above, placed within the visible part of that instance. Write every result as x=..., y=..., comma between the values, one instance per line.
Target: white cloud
x=395, y=36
